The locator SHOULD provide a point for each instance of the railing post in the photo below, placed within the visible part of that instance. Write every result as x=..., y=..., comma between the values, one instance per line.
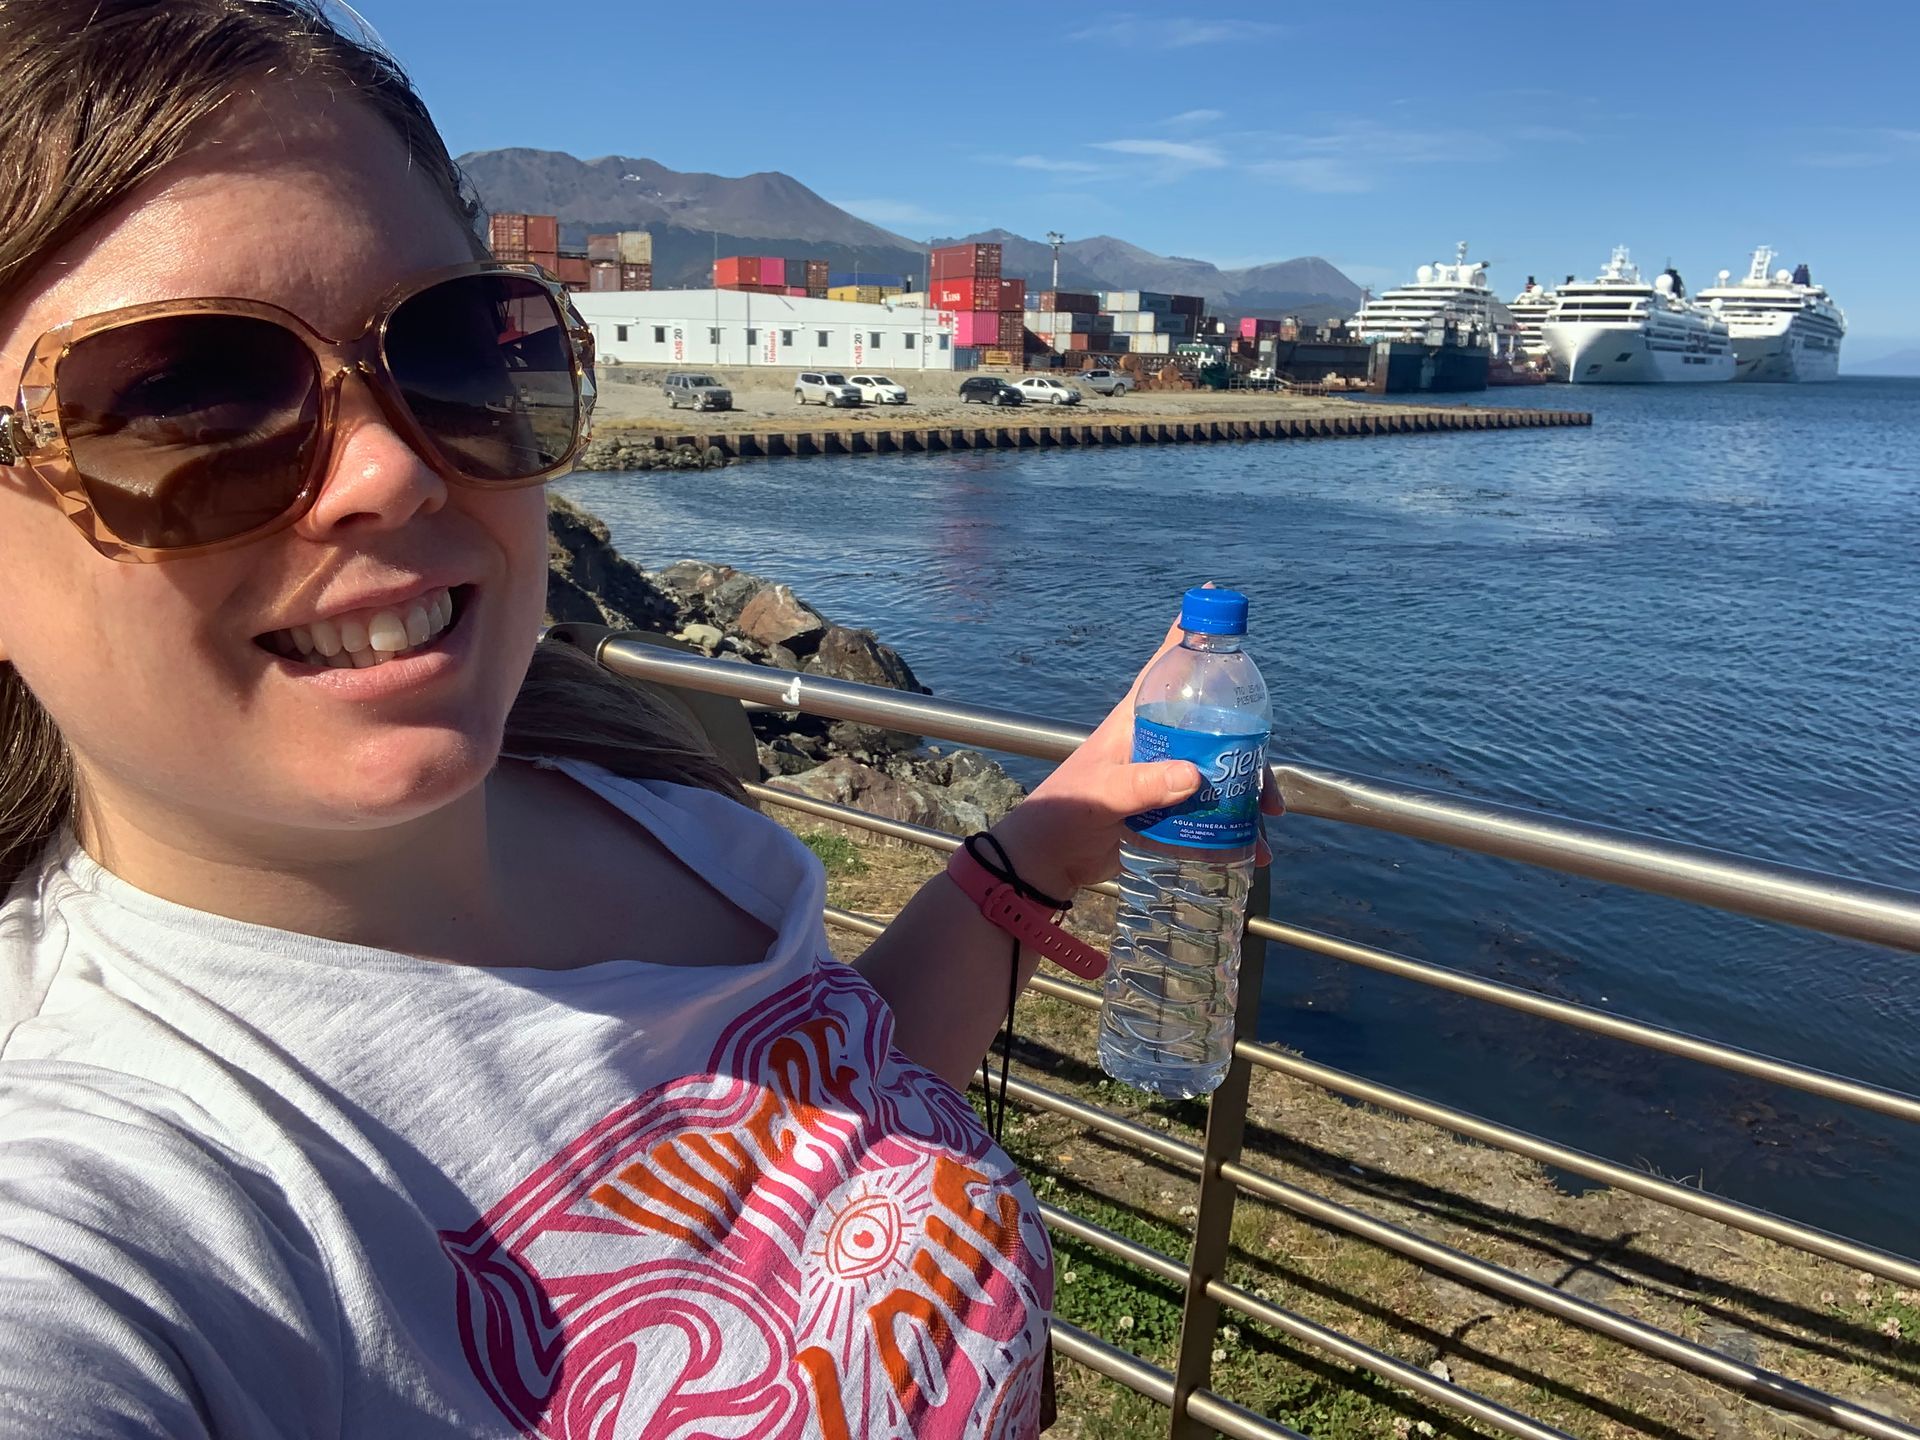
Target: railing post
x=1213, y=1224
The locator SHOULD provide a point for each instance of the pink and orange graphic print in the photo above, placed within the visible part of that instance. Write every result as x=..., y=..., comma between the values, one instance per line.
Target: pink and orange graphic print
x=814, y=1238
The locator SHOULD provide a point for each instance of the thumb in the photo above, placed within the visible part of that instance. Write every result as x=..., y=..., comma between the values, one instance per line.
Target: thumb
x=1151, y=785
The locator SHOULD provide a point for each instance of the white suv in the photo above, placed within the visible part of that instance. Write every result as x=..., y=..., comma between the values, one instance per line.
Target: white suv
x=827, y=387
x=1044, y=390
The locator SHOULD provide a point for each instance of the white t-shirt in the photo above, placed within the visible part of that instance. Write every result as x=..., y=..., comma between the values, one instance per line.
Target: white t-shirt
x=256, y=1184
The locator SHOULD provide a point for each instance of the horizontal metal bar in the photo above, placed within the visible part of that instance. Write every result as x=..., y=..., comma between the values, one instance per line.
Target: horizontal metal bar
x=1857, y=909
x=1598, y=1022
x=1579, y=1162
x=1751, y=1380
x=851, y=920
x=1234, y=1420
x=1108, y=1360
x=1305, y=1331
x=847, y=815
x=1885, y=1264
x=1756, y=1383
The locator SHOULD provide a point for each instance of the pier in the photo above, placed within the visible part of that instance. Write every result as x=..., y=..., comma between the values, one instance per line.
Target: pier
x=934, y=438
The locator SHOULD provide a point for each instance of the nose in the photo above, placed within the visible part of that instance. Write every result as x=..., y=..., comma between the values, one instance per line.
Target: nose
x=375, y=480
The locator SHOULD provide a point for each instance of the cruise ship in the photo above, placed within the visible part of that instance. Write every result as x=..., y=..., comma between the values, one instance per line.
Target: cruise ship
x=1530, y=309
x=1440, y=295
x=1784, y=326
x=1619, y=329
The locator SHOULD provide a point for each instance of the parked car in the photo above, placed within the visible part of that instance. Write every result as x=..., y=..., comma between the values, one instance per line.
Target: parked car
x=1106, y=382
x=879, y=390
x=701, y=391
x=989, y=390
x=1045, y=390
x=824, y=386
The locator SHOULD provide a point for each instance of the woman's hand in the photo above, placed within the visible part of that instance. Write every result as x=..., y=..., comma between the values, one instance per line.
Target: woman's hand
x=1068, y=832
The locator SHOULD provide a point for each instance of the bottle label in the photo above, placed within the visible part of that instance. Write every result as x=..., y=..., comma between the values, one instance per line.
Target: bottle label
x=1224, y=813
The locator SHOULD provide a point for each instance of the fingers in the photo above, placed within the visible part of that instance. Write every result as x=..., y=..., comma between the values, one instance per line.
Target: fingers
x=1149, y=786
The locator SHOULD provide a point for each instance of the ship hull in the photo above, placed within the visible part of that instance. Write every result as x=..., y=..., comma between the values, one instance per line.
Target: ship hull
x=1615, y=355
x=1784, y=359
x=1402, y=367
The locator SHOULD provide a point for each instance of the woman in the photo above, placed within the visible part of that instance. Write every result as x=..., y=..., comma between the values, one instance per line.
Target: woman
x=403, y=1032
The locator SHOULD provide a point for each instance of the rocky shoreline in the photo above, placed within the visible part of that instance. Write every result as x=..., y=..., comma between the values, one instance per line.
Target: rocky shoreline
x=716, y=610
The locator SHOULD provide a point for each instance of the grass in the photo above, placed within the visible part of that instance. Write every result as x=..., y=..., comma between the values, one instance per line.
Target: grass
x=841, y=857
x=1815, y=1321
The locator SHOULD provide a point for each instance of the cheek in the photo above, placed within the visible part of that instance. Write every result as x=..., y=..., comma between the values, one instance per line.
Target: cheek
x=516, y=520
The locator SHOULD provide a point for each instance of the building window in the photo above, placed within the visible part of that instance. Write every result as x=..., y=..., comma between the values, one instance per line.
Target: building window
x=620, y=332
x=659, y=334
x=909, y=342
x=943, y=341
x=873, y=339
x=713, y=337
x=753, y=337
x=786, y=338
x=820, y=339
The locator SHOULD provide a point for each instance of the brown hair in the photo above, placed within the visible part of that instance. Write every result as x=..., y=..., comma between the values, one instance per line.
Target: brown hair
x=96, y=98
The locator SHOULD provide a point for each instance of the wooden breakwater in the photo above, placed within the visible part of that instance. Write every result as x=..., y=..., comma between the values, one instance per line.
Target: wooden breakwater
x=1348, y=421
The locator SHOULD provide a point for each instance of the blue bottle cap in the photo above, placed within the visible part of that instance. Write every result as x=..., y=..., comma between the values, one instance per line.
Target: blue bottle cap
x=1213, y=612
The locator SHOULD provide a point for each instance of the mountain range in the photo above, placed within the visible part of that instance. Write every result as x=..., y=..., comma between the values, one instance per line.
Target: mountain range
x=1900, y=363
x=695, y=217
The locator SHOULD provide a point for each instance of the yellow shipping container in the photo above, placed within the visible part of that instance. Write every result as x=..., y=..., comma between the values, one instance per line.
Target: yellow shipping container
x=859, y=294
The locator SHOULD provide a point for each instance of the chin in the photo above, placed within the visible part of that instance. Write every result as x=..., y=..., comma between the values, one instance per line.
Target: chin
x=397, y=778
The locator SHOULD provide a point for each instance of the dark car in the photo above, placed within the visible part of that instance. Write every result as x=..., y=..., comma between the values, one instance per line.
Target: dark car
x=989, y=391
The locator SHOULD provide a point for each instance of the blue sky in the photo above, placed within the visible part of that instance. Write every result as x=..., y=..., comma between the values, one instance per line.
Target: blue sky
x=1376, y=136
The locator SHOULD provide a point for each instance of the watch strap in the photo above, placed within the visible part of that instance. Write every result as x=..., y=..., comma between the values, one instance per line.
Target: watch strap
x=1031, y=923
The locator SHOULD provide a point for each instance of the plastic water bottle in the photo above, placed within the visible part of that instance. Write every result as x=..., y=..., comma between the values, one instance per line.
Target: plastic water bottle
x=1166, y=1020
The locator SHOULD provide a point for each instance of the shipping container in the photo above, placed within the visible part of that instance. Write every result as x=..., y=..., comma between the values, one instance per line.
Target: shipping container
x=603, y=249
x=1252, y=327
x=1073, y=302
x=1133, y=322
x=816, y=292
x=543, y=234
x=1013, y=333
x=547, y=260
x=1076, y=341
x=1013, y=295
x=979, y=329
x=1150, y=344
x=636, y=277
x=839, y=278
x=818, y=274
x=773, y=270
x=636, y=247
x=572, y=269
x=1149, y=300
x=734, y=271
x=966, y=262
x=603, y=277
x=1192, y=306
x=857, y=294
x=968, y=294
x=1067, y=321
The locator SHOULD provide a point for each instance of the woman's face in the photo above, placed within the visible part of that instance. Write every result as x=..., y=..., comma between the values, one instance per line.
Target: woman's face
x=167, y=680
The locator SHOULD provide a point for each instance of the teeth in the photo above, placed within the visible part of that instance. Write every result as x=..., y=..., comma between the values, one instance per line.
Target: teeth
x=387, y=631
x=356, y=643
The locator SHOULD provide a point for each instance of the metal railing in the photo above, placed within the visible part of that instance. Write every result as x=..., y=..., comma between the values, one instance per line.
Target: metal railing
x=1849, y=908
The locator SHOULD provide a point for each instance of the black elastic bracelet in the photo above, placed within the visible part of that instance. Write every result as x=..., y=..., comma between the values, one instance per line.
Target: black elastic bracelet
x=1004, y=870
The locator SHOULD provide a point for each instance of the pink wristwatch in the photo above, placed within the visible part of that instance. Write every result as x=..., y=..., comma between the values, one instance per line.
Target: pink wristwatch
x=1028, y=921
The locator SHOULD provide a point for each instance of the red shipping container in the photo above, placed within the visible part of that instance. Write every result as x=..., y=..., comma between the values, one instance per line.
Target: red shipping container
x=966, y=262
x=969, y=294
x=601, y=248
x=543, y=233
x=508, y=233
x=547, y=260
x=1077, y=342
x=1013, y=330
x=818, y=273
x=773, y=270
x=799, y=290
x=603, y=278
x=1013, y=295
x=976, y=328
x=734, y=271
x=572, y=269
x=636, y=277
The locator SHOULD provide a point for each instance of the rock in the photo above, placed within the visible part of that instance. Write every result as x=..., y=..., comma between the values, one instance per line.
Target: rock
x=847, y=782
x=707, y=637
x=690, y=581
x=783, y=757
x=775, y=617
x=859, y=656
x=726, y=600
x=584, y=569
x=779, y=657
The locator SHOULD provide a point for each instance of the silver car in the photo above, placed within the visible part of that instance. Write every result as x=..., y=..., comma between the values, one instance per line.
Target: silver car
x=701, y=391
x=826, y=386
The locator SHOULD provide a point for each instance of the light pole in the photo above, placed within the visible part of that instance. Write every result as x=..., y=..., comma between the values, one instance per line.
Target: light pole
x=1056, y=240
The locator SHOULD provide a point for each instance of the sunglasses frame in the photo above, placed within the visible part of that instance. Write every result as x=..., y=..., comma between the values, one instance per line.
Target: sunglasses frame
x=32, y=436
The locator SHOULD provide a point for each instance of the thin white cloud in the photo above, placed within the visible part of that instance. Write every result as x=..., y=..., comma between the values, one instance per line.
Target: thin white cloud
x=1320, y=174
x=1048, y=165
x=896, y=212
x=1349, y=159
x=1194, y=117
x=1175, y=32
x=1863, y=148
x=1180, y=152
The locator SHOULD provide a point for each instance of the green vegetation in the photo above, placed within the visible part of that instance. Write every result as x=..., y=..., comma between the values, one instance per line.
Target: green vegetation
x=840, y=856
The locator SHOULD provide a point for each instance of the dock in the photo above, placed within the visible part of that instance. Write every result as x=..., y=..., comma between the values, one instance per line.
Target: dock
x=1344, y=421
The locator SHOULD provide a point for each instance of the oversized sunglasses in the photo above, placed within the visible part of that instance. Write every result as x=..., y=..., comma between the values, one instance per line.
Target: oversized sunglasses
x=186, y=426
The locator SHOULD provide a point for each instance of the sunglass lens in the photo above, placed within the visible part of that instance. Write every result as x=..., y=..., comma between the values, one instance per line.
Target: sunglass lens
x=486, y=366
x=190, y=429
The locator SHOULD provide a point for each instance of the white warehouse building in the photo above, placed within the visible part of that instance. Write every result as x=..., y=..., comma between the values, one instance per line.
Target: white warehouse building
x=733, y=327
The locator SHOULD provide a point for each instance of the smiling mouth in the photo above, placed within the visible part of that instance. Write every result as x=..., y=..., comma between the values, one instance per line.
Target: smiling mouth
x=366, y=638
